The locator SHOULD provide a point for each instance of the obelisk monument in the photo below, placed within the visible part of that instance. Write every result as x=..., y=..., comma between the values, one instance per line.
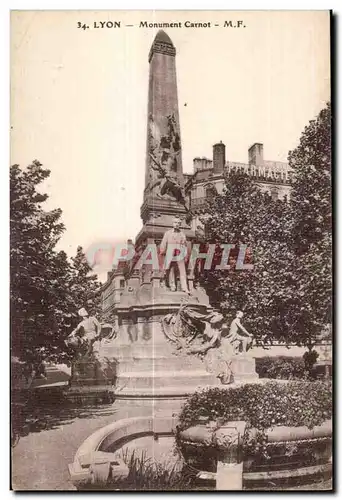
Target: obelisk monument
x=156, y=368
x=163, y=195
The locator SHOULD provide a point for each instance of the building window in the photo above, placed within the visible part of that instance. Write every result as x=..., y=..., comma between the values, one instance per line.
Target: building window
x=122, y=283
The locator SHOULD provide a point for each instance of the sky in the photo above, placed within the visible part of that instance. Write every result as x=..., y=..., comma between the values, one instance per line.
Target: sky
x=79, y=100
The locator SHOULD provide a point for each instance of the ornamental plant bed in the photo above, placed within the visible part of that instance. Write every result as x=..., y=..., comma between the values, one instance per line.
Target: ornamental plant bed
x=264, y=407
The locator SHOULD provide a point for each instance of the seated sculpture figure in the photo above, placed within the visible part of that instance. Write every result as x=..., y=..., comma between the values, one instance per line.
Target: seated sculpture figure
x=238, y=336
x=85, y=334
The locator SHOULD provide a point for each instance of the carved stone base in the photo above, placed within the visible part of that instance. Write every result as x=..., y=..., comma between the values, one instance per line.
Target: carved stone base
x=150, y=368
x=92, y=370
x=243, y=368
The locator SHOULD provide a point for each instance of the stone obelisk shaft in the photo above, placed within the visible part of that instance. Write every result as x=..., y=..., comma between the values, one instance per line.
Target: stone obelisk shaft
x=162, y=97
x=164, y=180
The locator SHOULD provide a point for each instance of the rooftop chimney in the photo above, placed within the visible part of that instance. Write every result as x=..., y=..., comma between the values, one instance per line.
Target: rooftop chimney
x=256, y=154
x=219, y=157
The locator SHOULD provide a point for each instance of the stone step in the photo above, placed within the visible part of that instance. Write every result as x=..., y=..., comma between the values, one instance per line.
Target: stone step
x=246, y=378
x=167, y=373
x=164, y=379
x=168, y=393
x=167, y=364
x=137, y=350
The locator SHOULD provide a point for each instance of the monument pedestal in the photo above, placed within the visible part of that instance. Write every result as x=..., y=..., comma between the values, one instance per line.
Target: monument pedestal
x=88, y=370
x=243, y=368
x=152, y=373
x=92, y=380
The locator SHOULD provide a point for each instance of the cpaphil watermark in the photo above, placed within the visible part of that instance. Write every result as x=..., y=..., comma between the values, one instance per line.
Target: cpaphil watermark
x=106, y=256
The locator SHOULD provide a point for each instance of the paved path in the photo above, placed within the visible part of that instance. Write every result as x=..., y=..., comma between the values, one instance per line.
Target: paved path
x=40, y=459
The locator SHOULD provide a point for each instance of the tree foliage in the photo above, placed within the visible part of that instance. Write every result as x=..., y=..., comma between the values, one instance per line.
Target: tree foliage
x=287, y=295
x=46, y=289
x=85, y=287
x=311, y=228
x=243, y=215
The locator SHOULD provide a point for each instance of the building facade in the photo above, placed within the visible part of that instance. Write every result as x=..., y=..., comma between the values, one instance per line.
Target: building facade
x=207, y=178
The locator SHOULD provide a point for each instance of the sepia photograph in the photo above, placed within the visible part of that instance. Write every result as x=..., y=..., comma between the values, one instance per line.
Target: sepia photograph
x=171, y=279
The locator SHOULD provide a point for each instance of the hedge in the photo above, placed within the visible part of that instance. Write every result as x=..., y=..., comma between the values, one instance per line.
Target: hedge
x=289, y=367
x=281, y=367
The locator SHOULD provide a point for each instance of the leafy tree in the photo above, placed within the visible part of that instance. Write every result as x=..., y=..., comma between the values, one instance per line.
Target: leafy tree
x=84, y=286
x=38, y=272
x=311, y=228
x=46, y=290
x=243, y=215
x=287, y=295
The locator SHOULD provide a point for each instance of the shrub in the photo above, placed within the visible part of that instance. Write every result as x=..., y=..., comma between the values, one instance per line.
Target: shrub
x=297, y=403
x=281, y=367
x=294, y=403
x=310, y=358
x=288, y=367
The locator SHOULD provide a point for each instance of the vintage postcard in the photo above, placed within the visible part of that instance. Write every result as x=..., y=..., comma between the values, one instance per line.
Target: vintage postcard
x=171, y=251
